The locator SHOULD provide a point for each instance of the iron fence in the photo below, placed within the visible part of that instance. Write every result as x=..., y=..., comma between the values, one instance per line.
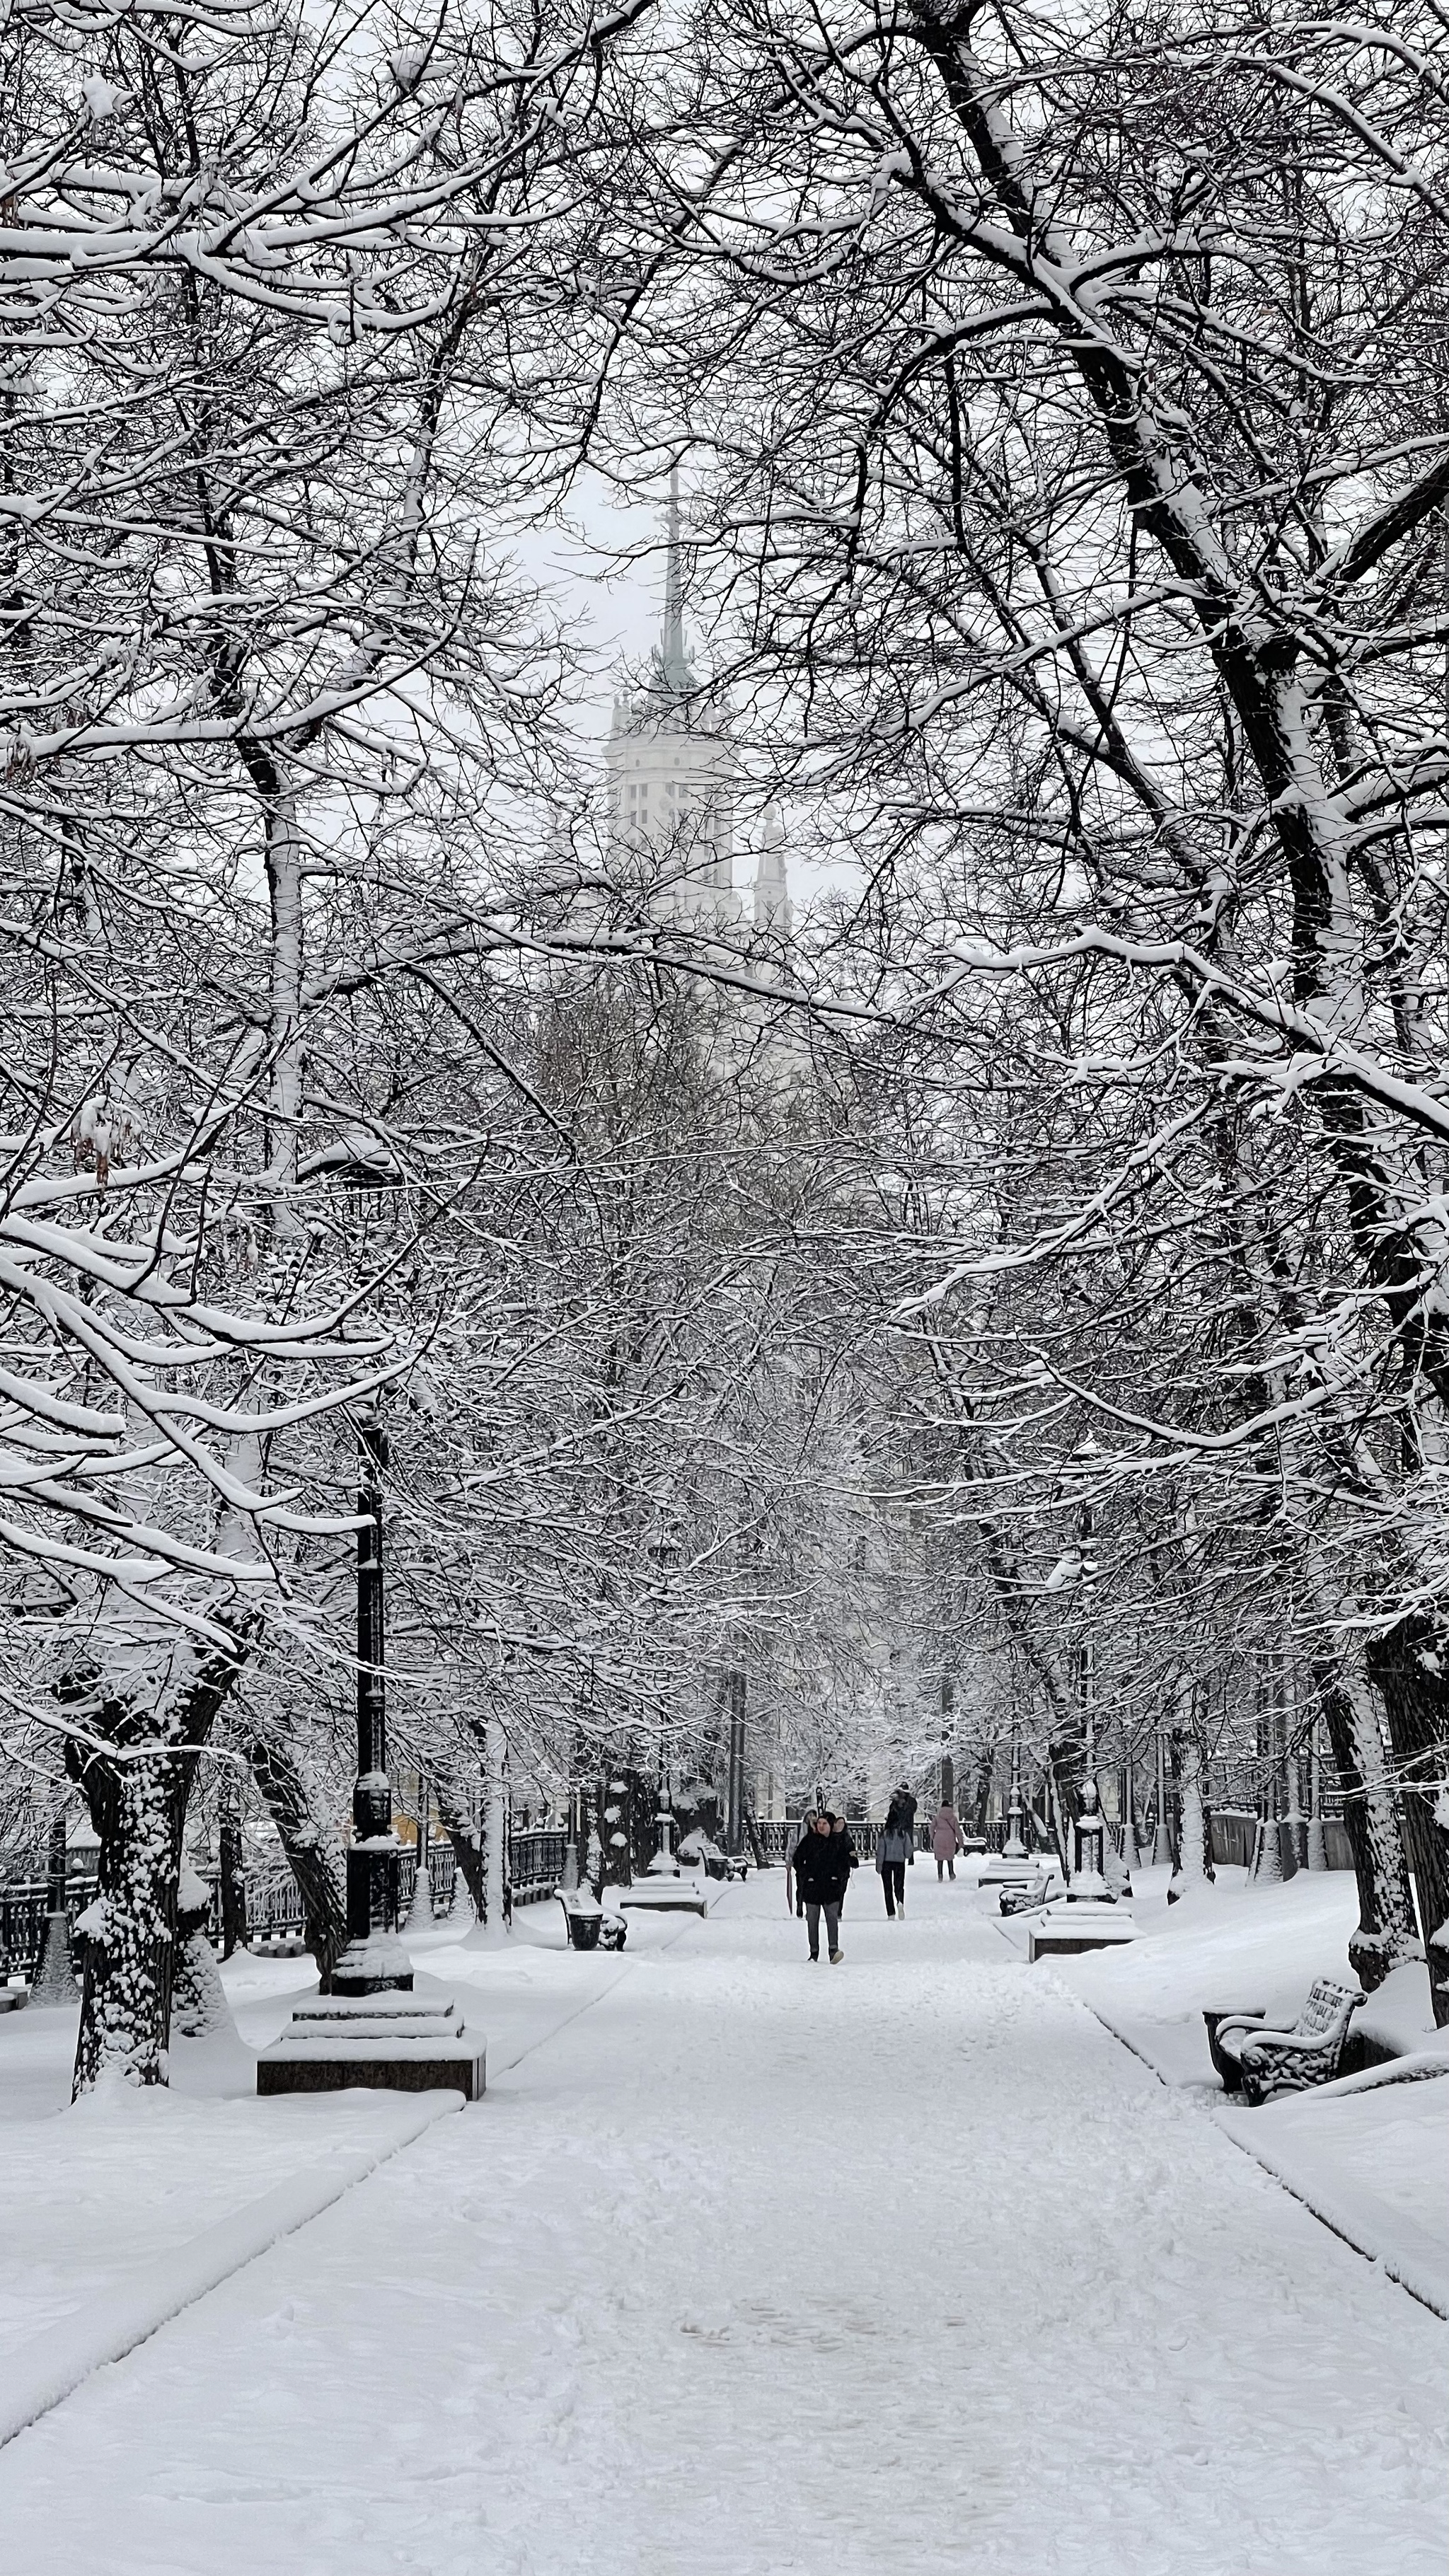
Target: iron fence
x=274, y=1912
x=779, y=1837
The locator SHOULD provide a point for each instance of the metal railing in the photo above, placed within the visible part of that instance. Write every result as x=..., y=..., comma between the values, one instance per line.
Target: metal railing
x=24, y=1904
x=779, y=1837
x=275, y=1916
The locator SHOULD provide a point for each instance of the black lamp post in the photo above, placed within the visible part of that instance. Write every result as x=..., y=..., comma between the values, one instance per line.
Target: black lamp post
x=374, y=1960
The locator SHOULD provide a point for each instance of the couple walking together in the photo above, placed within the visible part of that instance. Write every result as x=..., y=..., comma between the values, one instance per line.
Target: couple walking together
x=823, y=1859
x=895, y=1850
x=821, y=1863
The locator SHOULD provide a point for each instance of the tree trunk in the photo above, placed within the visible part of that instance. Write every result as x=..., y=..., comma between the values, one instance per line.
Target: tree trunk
x=593, y=1858
x=137, y=1796
x=495, y=1910
x=1386, y=1933
x=614, y=1835
x=230, y=1869
x=467, y=1851
x=138, y=1809
x=1406, y=1668
x=1195, y=1851
x=315, y=1861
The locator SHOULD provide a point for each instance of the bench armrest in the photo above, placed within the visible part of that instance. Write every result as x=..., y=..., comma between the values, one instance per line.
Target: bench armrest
x=1312, y=2042
x=1236, y=2022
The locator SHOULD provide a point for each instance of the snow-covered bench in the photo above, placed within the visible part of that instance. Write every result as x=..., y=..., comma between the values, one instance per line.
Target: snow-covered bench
x=699, y=1851
x=1025, y=1897
x=1266, y=2061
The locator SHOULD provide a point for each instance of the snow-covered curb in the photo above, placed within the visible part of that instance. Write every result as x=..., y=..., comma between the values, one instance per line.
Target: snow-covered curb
x=1423, y=2281
x=52, y=2364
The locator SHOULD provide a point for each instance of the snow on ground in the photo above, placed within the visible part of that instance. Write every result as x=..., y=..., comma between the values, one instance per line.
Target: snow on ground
x=1372, y=2162
x=751, y=2266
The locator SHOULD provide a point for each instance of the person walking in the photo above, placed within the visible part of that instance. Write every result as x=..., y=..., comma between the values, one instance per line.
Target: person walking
x=895, y=1851
x=845, y=1850
x=794, y=1901
x=946, y=1838
x=821, y=1861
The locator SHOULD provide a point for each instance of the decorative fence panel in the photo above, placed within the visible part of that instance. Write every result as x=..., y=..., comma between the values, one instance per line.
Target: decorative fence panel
x=24, y=1903
x=779, y=1836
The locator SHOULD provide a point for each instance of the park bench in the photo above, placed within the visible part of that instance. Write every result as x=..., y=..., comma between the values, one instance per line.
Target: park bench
x=698, y=1849
x=1025, y=1897
x=1262, y=2062
x=588, y=1926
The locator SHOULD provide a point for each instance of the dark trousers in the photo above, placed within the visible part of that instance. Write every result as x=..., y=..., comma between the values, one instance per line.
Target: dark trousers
x=943, y=1865
x=893, y=1880
x=832, y=1927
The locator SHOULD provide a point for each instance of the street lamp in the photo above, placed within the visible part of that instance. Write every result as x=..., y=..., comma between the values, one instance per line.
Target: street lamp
x=1088, y=1917
x=374, y=1961
x=372, y=2029
x=1089, y=1832
x=735, y=1782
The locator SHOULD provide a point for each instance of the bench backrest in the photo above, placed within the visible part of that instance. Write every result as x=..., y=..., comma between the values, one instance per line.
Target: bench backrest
x=1326, y=2001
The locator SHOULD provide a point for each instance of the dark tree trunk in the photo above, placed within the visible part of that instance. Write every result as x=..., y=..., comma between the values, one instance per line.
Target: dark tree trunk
x=139, y=1810
x=981, y=1807
x=467, y=1850
x=1386, y=1933
x=137, y=1795
x=315, y=1862
x=1406, y=1667
x=1065, y=1755
x=231, y=1871
x=614, y=1805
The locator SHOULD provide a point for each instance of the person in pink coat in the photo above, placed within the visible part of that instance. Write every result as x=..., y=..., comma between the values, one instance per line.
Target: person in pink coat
x=946, y=1839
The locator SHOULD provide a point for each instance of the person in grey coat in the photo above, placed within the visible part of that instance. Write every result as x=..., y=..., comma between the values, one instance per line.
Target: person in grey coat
x=895, y=1851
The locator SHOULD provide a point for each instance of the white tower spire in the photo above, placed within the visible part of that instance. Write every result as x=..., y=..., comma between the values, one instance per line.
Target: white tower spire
x=674, y=670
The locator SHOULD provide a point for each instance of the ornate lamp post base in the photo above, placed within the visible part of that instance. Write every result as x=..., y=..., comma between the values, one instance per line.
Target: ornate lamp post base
x=377, y=1966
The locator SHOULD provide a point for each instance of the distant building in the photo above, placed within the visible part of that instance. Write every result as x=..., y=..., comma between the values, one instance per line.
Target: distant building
x=673, y=775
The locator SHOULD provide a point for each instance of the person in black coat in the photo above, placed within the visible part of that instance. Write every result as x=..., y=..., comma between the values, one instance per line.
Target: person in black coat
x=822, y=1861
x=840, y=1837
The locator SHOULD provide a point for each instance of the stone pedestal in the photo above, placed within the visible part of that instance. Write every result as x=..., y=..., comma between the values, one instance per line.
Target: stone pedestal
x=1008, y=1870
x=1066, y=1929
x=395, y=2042
x=664, y=1896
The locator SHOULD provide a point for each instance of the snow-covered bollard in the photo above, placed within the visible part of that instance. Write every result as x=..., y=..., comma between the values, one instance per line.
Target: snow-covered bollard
x=55, y=1981
x=420, y=1912
x=199, y=2008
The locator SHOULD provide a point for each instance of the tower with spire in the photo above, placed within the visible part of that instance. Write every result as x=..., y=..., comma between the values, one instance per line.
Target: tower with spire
x=672, y=774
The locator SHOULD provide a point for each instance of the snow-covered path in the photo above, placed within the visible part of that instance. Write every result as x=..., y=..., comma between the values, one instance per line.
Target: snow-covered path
x=755, y=2267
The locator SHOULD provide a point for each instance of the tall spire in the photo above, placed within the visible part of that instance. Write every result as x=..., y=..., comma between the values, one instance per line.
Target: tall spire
x=674, y=668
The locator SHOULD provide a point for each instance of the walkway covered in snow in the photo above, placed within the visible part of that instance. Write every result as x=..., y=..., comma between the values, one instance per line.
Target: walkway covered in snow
x=752, y=2267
